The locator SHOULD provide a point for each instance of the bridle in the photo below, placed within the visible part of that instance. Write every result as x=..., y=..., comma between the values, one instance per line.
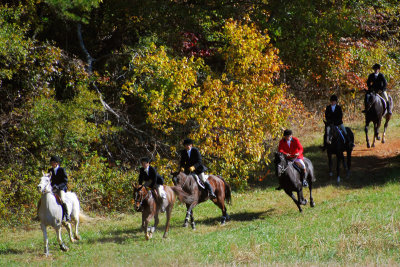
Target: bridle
x=282, y=169
x=139, y=198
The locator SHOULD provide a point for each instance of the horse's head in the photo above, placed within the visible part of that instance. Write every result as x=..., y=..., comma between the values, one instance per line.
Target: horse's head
x=370, y=98
x=140, y=194
x=178, y=178
x=280, y=163
x=329, y=132
x=45, y=183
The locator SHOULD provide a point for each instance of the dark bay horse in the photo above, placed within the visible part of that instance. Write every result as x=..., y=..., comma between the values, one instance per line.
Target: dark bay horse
x=146, y=203
x=289, y=179
x=190, y=187
x=335, y=144
x=375, y=109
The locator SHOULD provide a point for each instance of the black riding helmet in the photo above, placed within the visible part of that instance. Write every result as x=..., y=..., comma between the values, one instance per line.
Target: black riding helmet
x=287, y=132
x=187, y=141
x=55, y=159
x=334, y=98
x=376, y=66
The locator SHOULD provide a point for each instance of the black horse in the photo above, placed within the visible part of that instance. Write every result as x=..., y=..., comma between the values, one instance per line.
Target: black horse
x=289, y=179
x=375, y=109
x=336, y=144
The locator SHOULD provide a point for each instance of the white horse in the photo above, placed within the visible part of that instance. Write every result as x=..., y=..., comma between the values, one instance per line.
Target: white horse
x=51, y=213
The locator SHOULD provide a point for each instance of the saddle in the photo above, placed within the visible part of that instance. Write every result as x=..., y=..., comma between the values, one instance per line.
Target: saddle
x=199, y=182
x=297, y=168
x=58, y=199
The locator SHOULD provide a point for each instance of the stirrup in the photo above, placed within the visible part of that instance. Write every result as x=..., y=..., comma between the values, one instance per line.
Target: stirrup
x=305, y=184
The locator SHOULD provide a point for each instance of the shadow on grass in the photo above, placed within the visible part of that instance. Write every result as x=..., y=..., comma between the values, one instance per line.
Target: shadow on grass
x=117, y=236
x=239, y=217
x=365, y=171
x=11, y=251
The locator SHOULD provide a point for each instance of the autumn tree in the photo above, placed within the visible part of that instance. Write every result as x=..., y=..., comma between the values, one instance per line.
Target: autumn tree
x=230, y=115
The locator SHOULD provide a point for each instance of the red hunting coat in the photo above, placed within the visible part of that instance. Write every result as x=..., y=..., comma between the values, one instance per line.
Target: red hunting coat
x=295, y=147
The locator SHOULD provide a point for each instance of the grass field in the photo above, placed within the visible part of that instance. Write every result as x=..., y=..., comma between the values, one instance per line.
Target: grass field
x=356, y=223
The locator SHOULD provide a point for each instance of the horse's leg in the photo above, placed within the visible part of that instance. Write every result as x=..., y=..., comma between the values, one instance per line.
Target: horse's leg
x=168, y=213
x=366, y=133
x=67, y=225
x=156, y=221
x=291, y=195
x=387, y=119
x=45, y=239
x=330, y=163
x=77, y=236
x=185, y=223
x=339, y=160
x=192, y=223
x=221, y=204
x=310, y=184
x=63, y=247
x=301, y=198
x=376, y=131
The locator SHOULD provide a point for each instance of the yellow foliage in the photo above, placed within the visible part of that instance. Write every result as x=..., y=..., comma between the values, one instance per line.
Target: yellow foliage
x=234, y=113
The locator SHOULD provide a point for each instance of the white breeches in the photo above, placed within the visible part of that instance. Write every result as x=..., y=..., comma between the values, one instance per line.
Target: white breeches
x=62, y=196
x=161, y=192
x=202, y=177
x=385, y=95
x=301, y=163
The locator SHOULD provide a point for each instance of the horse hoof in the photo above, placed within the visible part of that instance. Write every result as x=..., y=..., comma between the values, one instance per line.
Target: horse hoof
x=165, y=235
x=185, y=225
x=338, y=180
x=312, y=204
x=368, y=146
x=72, y=240
x=330, y=174
x=193, y=227
x=78, y=237
x=63, y=247
x=304, y=202
x=378, y=138
x=383, y=141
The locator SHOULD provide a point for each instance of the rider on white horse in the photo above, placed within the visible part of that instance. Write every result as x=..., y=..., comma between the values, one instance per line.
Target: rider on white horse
x=59, y=182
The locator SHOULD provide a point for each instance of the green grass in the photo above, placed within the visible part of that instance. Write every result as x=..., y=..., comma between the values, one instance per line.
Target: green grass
x=356, y=223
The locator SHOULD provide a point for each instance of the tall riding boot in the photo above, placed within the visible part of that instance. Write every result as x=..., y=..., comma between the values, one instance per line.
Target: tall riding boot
x=302, y=178
x=210, y=190
x=66, y=213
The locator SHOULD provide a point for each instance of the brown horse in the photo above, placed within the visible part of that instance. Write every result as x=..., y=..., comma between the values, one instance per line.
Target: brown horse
x=145, y=202
x=190, y=187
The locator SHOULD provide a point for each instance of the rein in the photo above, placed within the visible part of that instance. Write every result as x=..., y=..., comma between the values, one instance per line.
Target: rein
x=141, y=196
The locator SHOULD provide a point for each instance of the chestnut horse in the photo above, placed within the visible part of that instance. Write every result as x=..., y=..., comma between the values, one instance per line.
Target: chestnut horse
x=145, y=202
x=189, y=185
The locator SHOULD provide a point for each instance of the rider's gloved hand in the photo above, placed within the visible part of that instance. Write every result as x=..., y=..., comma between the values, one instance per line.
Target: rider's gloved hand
x=192, y=168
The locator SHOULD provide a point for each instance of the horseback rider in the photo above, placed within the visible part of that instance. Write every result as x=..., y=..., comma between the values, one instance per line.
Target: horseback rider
x=191, y=162
x=149, y=176
x=59, y=182
x=291, y=147
x=377, y=83
x=334, y=115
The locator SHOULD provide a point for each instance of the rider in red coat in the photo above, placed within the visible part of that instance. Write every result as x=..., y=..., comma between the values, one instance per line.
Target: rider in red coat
x=291, y=147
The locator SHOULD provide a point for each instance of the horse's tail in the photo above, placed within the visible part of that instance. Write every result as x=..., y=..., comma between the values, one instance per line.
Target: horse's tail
x=183, y=196
x=84, y=218
x=228, y=192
